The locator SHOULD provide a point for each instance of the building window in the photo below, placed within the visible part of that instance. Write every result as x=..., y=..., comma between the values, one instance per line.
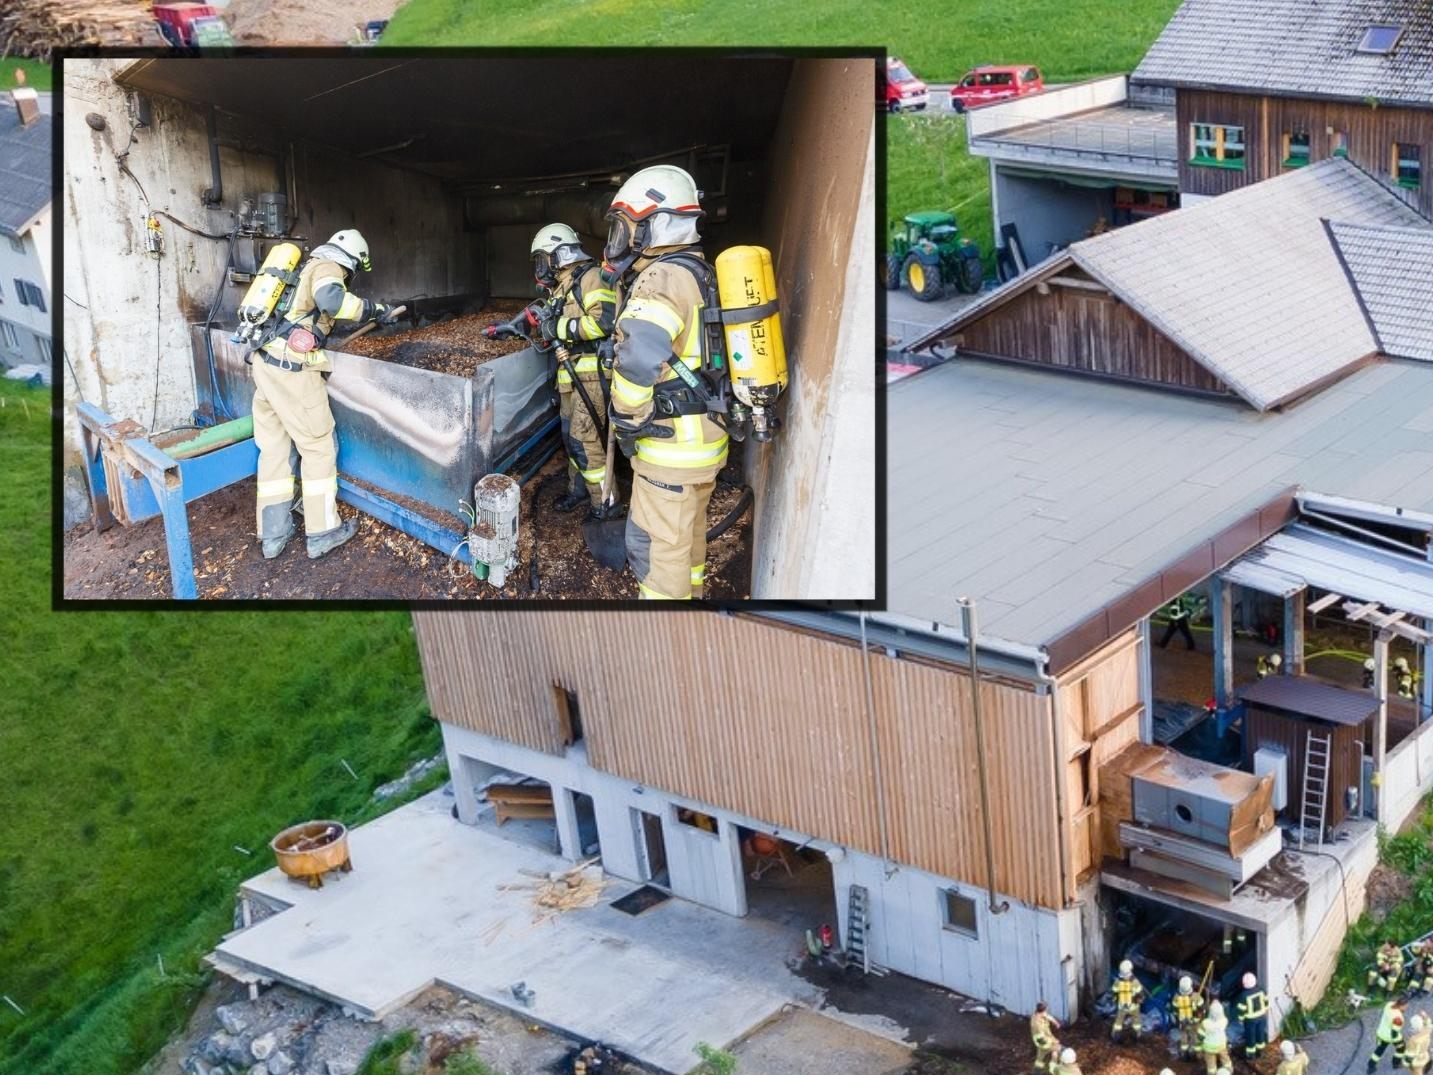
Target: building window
x=17, y=244
x=1216, y=146
x=44, y=342
x=1296, y=149
x=1407, y=165
x=697, y=820
x=1340, y=143
x=959, y=912
x=1380, y=40
x=29, y=294
x=9, y=337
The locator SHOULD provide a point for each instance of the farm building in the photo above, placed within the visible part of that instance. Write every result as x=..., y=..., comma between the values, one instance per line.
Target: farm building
x=189, y=172
x=1233, y=92
x=1103, y=446
x=25, y=196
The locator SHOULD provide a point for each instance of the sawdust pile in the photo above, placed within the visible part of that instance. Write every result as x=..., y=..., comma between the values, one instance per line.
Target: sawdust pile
x=558, y=893
x=314, y=22
x=455, y=346
x=35, y=27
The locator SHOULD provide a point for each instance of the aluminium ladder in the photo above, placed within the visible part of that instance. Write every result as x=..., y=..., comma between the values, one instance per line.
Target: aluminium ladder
x=1316, y=779
x=858, y=921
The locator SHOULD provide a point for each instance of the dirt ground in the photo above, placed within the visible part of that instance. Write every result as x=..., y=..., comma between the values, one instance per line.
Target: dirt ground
x=316, y=22
x=380, y=562
x=801, y=1042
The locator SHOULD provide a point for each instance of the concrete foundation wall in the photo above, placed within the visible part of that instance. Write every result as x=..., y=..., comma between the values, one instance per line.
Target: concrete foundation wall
x=127, y=315
x=1407, y=776
x=1017, y=958
x=1047, y=211
x=1052, y=104
x=815, y=483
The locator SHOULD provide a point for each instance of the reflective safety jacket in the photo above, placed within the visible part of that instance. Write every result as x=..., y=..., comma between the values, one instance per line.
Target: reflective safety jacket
x=1251, y=1004
x=1127, y=993
x=1389, y=960
x=588, y=312
x=1390, y=1026
x=1187, y=1008
x=1417, y=1047
x=1066, y=1069
x=658, y=316
x=1042, y=1033
x=321, y=297
x=1297, y=1066
x=1214, y=1035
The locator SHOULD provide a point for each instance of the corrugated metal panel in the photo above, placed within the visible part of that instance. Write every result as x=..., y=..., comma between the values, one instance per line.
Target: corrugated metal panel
x=771, y=723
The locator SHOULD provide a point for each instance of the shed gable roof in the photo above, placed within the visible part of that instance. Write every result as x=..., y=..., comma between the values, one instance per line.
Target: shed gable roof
x=1392, y=271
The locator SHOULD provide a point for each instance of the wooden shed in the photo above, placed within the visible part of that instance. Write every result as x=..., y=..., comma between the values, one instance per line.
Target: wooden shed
x=1281, y=712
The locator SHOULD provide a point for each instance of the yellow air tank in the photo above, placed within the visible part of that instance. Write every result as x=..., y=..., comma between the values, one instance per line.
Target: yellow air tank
x=264, y=292
x=747, y=279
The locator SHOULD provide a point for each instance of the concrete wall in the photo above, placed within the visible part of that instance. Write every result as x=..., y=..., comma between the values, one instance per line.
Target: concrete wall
x=127, y=317
x=815, y=483
x=1047, y=211
x=1052, y=104
x=1018, y=958
x=1407, y=776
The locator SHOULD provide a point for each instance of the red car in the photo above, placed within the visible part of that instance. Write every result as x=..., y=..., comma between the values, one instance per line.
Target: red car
x=904, y=92
x=986, y=84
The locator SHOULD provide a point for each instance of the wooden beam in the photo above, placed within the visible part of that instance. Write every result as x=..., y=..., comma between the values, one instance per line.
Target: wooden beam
x=1083, y=285
x=1358, y=612
x=1324, y=602
x=1383, y=619
x=1413, y=634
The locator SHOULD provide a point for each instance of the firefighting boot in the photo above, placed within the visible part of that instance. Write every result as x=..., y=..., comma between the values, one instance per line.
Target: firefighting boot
x=278, y=528
x=576, y=494
x=326, y=542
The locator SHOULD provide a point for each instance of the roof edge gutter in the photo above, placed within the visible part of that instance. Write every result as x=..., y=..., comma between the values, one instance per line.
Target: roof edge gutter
x=1365, y=510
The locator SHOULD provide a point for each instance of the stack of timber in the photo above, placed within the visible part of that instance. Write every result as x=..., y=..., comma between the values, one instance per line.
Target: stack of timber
x=36, y=27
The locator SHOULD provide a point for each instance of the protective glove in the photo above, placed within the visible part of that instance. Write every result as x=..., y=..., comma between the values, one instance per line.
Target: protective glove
x=387, y=314
x=377, y=311
x=627, y=436
x=548, y=328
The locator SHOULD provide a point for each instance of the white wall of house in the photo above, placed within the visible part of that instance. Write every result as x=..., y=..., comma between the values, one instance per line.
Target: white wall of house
x=26, y=258
x=1015, y=959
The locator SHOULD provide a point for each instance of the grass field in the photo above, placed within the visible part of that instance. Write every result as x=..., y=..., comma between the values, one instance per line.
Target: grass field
x=138, y=749
x=928, y=167
x=37, y=74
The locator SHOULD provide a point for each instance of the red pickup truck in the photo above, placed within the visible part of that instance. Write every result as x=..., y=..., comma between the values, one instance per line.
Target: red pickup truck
x=904, y=92
x=991, y=83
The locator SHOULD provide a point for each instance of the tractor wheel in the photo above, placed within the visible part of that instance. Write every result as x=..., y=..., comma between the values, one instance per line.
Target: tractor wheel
x=971, y=275
x=891, y=272
x=924, y=280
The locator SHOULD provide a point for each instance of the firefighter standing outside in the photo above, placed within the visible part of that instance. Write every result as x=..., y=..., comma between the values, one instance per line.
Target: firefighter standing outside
x=291, y=400
x=1292, y=1059
x=1067, y=1064
x=584, y=315
x=1389, y=1033
x=1251, y=1008
x=1178, y=613
x=1042, y=1035
x=1187, y=1006
x=1417, y=1048
x=1214, y=1040
x=662, y=424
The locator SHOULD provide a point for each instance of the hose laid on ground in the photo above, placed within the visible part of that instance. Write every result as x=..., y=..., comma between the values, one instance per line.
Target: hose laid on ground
x=737, y=511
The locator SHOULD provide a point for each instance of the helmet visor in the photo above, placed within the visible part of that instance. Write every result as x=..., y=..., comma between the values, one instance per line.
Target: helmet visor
x=619, y=237
x=542, y=265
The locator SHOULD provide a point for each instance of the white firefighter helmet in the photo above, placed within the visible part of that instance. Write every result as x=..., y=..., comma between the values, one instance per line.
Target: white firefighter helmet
x=657, y=206
x=1415, y=1024
x=1275, y=660
x=1288, y=1049
x=554, y=247
x=1186, y=985
x=1368, y=665
x=1400, y=663
x=351, y=242
x=1165, y=1071
x=1250, y=981
x=1126, y=968
x=1216, y=1010
x=1225, y=1071
x=1067, y=1056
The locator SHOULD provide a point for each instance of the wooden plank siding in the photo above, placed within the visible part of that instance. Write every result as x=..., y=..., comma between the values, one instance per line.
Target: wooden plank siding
x=1371, y=133
x=1087, y=331
x=771, y=723
x=1101, y=705
x=1265, y=728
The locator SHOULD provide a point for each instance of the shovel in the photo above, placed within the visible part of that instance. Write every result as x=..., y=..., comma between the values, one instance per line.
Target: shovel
x=607, y=538
x=341, y=344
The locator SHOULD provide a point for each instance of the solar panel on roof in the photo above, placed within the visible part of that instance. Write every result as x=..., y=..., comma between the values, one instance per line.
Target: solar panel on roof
x=1380, y=39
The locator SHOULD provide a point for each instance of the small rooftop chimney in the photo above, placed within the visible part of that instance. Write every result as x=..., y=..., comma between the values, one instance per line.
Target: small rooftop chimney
x=27, y=104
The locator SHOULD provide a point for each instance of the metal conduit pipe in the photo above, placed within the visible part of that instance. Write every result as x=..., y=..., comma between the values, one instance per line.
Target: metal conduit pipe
x=875, y=751
x=1057, y=745
x=967, y=614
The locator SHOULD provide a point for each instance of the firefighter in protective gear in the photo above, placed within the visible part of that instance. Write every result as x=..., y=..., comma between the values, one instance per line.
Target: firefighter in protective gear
x=1042, y=1034
x=1403, y=677
x=1292, y=1059
x=1416, y=1050
x=1129, y=992
x=1420, y=968
x=1370, y=666
x=1251, y=1008
x=661, y=422
x=1187, y=1006
x=1214, y=1040
x=1269, y=666
x=1178, y=614
x=291, y=401
x=583, y=312
x=1389, y=1033
x=1067, y=1065
x=1387, y=967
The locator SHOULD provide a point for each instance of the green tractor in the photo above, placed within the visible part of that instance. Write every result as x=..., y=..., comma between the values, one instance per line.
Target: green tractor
x=927, y=252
